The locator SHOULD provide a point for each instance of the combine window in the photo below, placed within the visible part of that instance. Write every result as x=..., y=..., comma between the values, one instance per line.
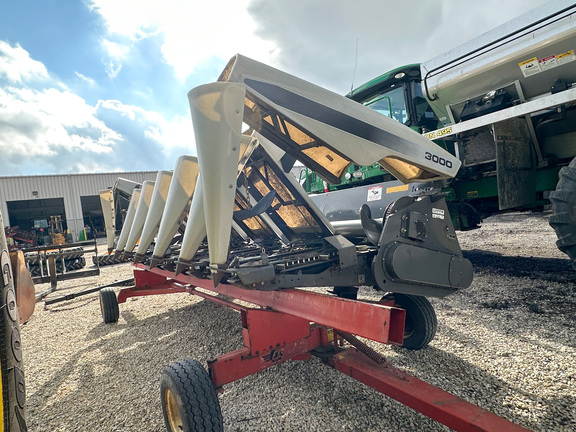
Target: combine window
x=405, y=103
x=390, y=103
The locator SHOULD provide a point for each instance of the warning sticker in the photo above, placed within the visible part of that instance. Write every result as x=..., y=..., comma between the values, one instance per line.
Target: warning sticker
x=530, y=67
x=566, y=57
x=374, y=193
x=401, y=188
x=548, y=62
x=437, y=213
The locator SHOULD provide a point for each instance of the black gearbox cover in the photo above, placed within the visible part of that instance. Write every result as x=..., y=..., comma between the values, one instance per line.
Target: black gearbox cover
x=418, y=250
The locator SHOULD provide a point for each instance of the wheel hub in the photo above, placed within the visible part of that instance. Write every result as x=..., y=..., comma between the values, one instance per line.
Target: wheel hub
x=172, y=412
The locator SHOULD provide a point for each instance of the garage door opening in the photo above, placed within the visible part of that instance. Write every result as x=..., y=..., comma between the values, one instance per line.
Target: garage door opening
x=92, y=215
x=34, y=215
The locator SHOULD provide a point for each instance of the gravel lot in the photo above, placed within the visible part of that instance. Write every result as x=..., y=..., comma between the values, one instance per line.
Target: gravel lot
x=506, y=344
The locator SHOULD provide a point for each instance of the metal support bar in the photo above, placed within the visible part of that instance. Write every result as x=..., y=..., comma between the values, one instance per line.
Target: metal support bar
x=88, y=291
x=431, y=401
x=66, y=276
x=45, y=253
x=376, y=322
x=62, y=247
x=165, y=288
x=51, y=278
x=521, y=110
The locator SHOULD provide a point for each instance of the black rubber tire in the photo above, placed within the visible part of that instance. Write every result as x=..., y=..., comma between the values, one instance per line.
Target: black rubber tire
x=109, y=305
x=421, y=322
x=13, y=392
x=189, y=400
x=563, y=218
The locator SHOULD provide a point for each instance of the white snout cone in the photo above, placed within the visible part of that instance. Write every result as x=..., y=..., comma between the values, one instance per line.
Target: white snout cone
x=196, y=226
x=181, y=190
x=132, y=205
x=157, y=204
x=140, y=215
x=107, y=204
x=217, y=110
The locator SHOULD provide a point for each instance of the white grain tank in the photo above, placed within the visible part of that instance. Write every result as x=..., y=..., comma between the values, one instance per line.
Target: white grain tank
x=523, y=58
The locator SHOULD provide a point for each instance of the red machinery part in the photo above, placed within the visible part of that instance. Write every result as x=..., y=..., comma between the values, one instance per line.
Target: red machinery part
x=373, y=321
x=431, y=401
x=298, y=323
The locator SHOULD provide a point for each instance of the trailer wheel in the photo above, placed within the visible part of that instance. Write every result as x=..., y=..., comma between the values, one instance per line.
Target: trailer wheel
x=563, y=218
x=109, y=305
x=421, y=322
x=189, y=400
x=13, y=390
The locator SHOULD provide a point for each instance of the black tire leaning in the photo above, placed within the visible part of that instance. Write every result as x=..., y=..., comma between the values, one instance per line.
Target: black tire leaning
x=421, y=322
x=13, y=392
x=563, y=218
x=189, y=400
x=109, y=305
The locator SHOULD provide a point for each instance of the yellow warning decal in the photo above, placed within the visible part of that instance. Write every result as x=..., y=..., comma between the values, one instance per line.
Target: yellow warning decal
x=438, y=133
x=530, y=67
x=566, y=57
x=400, y=188
x=525, y=62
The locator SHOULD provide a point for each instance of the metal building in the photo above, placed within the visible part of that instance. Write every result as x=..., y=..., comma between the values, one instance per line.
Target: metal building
x=27, y=201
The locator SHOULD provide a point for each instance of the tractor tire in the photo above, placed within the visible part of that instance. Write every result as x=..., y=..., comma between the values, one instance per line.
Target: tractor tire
x=421, y=322
x=13, y=394
x=563, y=218
x=189, y=400
x=109, y=259
x=109, y=306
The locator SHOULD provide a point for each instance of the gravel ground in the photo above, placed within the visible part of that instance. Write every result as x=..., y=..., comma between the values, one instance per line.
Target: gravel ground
x=507, y=344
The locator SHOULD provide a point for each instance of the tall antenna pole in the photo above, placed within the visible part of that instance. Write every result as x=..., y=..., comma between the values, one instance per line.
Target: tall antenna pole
x=355, y=65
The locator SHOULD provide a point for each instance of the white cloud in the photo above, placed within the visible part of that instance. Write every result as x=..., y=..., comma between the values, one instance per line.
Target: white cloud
x=177, y=136
x=85, y=79
x=171, y=138
x=117, y=53
x=16, y=66
x=115, y=49
x=315, y=40
x=193, y=32
x=50, y=129
x=112, y=69
x=36, y=124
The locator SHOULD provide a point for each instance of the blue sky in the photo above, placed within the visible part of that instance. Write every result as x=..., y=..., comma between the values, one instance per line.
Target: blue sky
x=100, y=85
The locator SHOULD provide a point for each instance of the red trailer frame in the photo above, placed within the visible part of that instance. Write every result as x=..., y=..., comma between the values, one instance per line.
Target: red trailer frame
x=296, y=324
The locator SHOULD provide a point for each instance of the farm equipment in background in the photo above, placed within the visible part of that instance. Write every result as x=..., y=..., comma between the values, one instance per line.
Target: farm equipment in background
x=49, y=264
x=65, y=257
x=115, y=210
x=45, y=232
x=505, y=105
x=56, y=231
x=234, y=224
x=17, y=238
